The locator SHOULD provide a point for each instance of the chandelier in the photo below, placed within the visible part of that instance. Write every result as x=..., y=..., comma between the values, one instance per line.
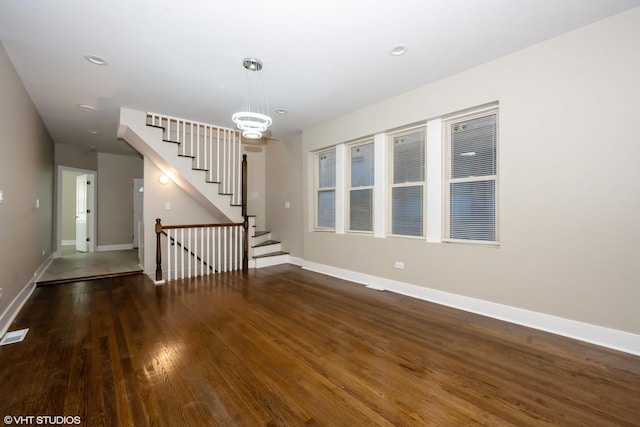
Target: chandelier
x=254, y=118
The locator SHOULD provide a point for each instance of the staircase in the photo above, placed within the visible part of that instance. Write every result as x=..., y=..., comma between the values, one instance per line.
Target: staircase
x=205, y=161
x=265, y=251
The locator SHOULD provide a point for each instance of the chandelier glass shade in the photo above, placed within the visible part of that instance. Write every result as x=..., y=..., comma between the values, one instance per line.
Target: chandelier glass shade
x=254, y=118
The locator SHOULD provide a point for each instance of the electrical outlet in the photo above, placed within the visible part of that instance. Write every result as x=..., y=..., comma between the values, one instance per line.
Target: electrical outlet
x=399, y=265
x=1, y=289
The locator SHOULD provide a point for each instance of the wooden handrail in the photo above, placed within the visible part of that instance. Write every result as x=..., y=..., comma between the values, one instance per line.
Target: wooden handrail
x=174, y=227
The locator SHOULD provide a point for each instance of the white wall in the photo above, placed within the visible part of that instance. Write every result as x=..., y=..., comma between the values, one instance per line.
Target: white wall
x=569, y=199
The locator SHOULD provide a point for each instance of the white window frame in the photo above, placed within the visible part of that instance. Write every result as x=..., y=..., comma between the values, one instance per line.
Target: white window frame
x=392, y=185
x=350, y=187
x=318, y=189
x=446, y=125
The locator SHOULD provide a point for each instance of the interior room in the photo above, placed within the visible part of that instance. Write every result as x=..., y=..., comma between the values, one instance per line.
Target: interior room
x=418, y=213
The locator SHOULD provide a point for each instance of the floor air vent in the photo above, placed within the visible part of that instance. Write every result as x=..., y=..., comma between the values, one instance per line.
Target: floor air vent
x=14, y=336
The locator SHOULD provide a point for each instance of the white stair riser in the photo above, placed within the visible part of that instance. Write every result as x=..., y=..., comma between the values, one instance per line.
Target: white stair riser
x=272, y=260
x=260, y=239
x=261, y=250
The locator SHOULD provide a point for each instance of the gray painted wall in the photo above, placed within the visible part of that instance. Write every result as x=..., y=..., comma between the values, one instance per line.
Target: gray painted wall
x=569, y=200
x=115, y=197
x=26, y=175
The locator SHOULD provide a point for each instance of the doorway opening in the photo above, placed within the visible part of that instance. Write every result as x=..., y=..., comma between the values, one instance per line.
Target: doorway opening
x=76, y=210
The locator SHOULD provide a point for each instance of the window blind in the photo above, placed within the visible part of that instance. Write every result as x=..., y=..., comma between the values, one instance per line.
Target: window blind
x=326, y=194
x=407, y=192
x=472, y=174
x=361, y=191
x=407, y=211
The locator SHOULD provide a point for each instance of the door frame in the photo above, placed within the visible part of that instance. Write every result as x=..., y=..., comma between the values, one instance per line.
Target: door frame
x=93, y=176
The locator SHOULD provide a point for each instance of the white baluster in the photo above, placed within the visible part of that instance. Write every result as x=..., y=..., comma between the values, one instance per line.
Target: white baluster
x=218, y=157
x=232, y=159
x=197, y=146
x=205, y=158
x=192, y=147
x=175, y=254
x=224, y=163
x=209, y=249
x=188, y=252
x=239, y=248
x=168, y=255
x=219, y=246
x=183, y=146
x=225, y=255
x=231, y=255
x=201, y=251
x=181, y=253
x=235, y=248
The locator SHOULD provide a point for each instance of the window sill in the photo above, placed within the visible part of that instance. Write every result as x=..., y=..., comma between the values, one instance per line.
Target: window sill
x=482, y=243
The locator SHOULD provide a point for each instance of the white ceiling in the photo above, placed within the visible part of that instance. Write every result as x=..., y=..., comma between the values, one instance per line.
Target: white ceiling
x=322, y=59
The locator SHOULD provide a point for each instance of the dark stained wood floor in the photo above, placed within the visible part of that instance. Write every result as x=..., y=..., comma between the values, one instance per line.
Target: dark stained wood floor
x=287, y=347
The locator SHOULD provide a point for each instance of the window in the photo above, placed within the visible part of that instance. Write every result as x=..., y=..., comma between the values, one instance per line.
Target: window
x=326, y=190
x=361, y=187
x=471, y=176
x=408, y=183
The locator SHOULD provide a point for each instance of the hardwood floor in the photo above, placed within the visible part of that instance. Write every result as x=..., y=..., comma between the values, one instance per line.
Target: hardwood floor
x=287, y=347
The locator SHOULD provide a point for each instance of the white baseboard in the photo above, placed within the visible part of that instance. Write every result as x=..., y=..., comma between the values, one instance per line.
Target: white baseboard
x=296, y=261
x=68, y=243
x=594, y=334
x=18, y=302
x=107, y=248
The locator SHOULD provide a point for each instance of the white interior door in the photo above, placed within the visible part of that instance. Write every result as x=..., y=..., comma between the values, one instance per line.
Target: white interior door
x=138, y=194
x=82, y=206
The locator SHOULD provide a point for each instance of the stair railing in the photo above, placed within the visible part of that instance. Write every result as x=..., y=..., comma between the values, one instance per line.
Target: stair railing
x=198, y=249
x=203, y=249
x=216, y=150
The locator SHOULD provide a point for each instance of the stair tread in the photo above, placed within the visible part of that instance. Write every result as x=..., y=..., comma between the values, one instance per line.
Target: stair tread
x=260, y=233
x=266, y=243
x=270, y=254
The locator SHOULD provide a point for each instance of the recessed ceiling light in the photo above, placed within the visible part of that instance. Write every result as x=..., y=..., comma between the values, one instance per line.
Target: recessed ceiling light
x=398, y=50
x=87, y=108
x=94, y=132
x=95, y=59
x=281, y=111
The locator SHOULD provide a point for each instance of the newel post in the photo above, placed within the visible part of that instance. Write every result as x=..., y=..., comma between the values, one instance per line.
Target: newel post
x=245, y=224
x=158, y=251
